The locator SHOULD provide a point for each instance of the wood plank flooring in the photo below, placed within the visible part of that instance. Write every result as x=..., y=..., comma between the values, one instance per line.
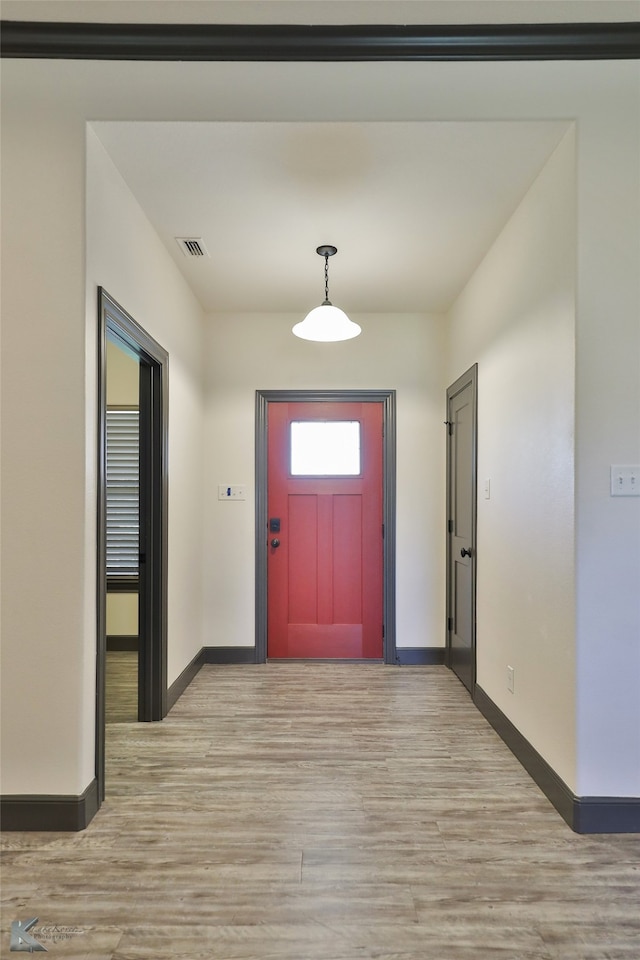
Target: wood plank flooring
x=323, y=812
x=121, y=686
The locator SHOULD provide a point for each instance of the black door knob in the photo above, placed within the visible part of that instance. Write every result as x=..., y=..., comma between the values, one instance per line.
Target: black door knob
x=275, y=542
x=465, y=553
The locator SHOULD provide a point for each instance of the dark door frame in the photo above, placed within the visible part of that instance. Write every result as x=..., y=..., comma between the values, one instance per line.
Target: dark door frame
x=388, y=400
x=469, y=377
x=120, y=327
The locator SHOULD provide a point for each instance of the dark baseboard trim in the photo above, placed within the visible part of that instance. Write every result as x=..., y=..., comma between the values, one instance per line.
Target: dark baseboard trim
x=607, y=815
x=319, y=42
x=583, y=814
x=207, y=655
x=181, y=683
x=536, y=766
x=58, y=813
x=419, y=656
x=229, y=654
x=121, y=642
x=405, y=656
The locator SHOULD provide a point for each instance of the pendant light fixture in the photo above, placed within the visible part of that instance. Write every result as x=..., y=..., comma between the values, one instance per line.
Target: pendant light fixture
x=326, y=323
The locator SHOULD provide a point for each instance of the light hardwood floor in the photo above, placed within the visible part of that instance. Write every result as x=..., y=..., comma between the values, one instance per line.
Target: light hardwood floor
x=121, y=693
x=323, y=812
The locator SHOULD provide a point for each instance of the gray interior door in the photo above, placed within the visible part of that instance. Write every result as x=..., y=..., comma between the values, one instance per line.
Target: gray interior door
x=461, y=527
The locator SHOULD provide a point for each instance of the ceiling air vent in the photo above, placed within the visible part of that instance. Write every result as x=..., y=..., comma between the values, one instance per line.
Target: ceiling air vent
x=192, y=246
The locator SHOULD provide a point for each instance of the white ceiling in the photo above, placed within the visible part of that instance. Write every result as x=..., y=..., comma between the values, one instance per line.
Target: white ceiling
x=412, y=207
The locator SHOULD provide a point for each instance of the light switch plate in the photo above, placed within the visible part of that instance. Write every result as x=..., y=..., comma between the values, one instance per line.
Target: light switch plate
x=625, y=480
x=231, y=491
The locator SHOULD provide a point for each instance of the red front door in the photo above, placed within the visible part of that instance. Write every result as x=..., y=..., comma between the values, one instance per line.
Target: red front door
x=325, y=530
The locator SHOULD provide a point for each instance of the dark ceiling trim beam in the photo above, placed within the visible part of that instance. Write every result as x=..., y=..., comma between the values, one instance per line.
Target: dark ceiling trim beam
x=259, y=42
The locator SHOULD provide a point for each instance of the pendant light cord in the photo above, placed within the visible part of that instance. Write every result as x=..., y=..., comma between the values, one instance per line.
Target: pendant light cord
x=326, y=279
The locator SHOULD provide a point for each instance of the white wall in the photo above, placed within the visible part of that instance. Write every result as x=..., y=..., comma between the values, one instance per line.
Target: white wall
x=516, y=319
x=123, y=377
x=608, y=432
x=122, y=614
x=126, y=257
x=47, y=733
x=249, y=352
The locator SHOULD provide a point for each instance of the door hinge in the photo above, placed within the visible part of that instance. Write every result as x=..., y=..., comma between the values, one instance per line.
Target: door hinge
x=449, y=624
x=449, y=526
x=449, y=425
x=383, y=631
x=383, y=531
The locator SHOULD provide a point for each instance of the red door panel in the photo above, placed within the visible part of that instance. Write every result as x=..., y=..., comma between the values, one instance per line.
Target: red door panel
x=325, y=577
x=302, y=534
x=347, y=559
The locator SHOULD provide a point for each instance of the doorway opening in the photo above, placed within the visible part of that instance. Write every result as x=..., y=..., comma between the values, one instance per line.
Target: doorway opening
x=133, y=537
x=122, y=546
x=338, y=529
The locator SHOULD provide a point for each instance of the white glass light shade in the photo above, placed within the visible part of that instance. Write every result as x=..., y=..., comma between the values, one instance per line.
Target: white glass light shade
x=327, y=323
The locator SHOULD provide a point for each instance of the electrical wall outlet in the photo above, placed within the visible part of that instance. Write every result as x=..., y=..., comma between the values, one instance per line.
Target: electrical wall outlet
x=510, y=679
x=230, y=491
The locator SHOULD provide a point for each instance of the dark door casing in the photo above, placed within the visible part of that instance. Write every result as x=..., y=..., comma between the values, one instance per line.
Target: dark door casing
x=152, y=590
x=387, y=398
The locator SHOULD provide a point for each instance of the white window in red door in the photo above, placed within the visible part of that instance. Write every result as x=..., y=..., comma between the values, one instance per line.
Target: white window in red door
x=325, y=448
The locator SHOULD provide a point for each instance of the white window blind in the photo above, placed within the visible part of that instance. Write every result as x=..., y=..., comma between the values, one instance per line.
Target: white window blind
x=123, y=491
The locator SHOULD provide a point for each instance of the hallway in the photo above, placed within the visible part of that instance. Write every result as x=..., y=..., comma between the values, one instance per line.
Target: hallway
x=310, y=811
